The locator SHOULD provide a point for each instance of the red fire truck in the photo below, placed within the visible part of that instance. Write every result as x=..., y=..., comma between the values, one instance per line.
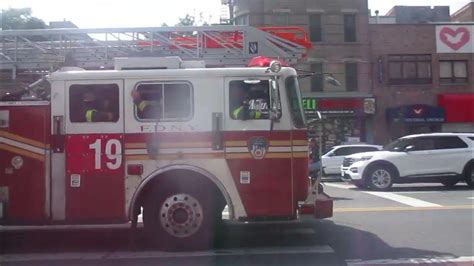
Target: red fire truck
x=216, y=137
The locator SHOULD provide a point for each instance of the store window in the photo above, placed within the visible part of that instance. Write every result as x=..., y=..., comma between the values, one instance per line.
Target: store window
x=315, y=28
x=351, y=76
x=350, y=28
x=339, y=130
x=317, y=79
x=453, y=72
x=409, y=69
x=91, y=103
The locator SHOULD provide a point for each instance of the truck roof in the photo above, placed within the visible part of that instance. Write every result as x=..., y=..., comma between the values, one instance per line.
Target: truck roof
x=169, y=73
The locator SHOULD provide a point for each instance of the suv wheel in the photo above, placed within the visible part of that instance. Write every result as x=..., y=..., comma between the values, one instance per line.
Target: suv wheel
x=380, y=178
x=470, y=175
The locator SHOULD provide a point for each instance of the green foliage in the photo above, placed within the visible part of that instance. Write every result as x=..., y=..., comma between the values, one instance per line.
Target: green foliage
x=19, y=19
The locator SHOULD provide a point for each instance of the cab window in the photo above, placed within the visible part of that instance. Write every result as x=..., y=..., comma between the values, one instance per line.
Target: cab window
x=249, y=99
x=170, y=101
x=91, y=103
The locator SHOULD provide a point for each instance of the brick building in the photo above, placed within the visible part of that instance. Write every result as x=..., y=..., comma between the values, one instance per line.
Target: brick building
x=423, y=78
x=339, y=31
x=464, y=14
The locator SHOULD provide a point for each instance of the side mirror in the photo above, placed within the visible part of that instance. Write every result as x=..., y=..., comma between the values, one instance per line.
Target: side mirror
x=331, y=154
x=409, y=148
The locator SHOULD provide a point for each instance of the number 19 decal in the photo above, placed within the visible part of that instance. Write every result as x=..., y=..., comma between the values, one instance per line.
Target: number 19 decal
x=115, y=159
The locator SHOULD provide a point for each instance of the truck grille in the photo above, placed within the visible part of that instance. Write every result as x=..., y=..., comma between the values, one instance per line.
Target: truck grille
x=347, y=162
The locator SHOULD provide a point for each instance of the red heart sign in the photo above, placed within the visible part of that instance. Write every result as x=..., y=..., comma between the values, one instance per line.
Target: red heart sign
x=454, y=39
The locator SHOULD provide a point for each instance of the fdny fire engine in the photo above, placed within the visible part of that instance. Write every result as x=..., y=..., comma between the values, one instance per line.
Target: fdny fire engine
x=166, y=138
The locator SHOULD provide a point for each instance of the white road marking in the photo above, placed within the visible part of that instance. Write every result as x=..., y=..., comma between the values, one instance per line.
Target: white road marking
x=471, y=198
x=415, y=261
x=343, y=186
x=162, y=254
x=390, y=196
x=403, y=199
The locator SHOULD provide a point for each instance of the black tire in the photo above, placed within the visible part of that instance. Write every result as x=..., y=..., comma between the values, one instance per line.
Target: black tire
x=161, y=208
x=380, y=177
x=449, y=183
x=469, y=175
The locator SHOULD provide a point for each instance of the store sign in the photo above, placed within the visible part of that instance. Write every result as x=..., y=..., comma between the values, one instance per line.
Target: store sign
x=416, y=114
x=344, y=106
x=455, y=39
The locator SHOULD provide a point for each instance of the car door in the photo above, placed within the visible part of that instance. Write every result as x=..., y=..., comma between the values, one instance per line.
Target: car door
x=451, y=154
x=421, y=160
x=259, y=159
x=332, y=163
x=95, y=180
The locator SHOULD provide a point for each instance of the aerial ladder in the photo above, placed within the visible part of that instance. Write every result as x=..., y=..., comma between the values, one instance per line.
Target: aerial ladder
x=46, y=50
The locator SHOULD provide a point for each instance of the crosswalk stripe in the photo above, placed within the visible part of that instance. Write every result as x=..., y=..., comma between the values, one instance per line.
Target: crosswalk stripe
x=403, y=199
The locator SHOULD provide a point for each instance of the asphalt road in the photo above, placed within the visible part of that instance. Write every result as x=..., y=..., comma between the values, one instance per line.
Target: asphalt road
x=413, y=224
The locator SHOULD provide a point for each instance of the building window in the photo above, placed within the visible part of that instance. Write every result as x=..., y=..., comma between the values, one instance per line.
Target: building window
x=164, y=101
x=242, y=20
x=453, y=72
x=349, y=28
x=409, y=69
x=317, y=79
x=315, y=29
x=351, y=76
x=91, y=103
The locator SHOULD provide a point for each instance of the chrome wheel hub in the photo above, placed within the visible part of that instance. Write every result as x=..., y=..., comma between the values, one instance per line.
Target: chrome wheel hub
x=181, y=215
x=381, y=178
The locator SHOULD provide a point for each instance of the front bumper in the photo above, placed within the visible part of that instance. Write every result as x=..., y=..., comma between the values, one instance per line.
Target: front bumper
x=354, y=172
x=320, y=209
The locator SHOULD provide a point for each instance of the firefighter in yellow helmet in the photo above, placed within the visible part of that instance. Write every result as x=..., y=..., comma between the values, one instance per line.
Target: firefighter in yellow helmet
x=91, y=111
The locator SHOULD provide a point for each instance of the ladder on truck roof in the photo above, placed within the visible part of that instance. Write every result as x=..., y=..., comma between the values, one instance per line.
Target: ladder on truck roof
x=50, y=49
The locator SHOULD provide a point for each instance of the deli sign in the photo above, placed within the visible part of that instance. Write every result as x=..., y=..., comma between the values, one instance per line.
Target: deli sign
x=455, y=39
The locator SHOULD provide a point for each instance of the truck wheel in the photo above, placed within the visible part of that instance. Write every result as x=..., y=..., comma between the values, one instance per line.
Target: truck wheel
x=470, y=175
x=179, y=217
x=450, y=183
x=380, y=178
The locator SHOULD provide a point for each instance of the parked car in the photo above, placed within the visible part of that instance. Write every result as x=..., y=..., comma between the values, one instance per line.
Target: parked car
x=436, y=157
x=332, y=160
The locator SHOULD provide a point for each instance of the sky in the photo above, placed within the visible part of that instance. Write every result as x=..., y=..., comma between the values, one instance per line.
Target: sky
x=151, y=13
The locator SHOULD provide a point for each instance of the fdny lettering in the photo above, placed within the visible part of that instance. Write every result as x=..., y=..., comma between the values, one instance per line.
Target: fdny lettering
x=162, y=128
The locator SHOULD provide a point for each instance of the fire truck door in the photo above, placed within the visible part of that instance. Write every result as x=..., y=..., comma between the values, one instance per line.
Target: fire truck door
x=259, y=158
x=95, y=190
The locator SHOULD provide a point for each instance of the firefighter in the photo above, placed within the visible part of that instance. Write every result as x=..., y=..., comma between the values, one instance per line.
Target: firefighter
x=240, y=98
x=90, y=109
x=147, y=109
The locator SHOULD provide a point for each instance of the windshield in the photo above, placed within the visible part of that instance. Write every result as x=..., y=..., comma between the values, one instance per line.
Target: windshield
x=295, y=101
x=397, y=145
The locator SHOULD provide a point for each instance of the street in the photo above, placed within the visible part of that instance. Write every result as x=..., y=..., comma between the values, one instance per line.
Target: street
x=412, y=224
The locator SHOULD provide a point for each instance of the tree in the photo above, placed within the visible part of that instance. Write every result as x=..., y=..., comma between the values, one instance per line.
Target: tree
x=19, y=19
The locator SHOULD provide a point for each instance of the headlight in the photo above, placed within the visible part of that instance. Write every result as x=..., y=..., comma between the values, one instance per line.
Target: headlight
x=275, y=66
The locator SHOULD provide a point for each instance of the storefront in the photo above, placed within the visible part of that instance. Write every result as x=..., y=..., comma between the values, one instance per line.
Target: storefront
x=414, y=119
x=459, y=112
x=345, y=120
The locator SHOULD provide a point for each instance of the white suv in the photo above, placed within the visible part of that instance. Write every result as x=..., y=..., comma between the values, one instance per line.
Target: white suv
x=437, y=157
x=332, y=160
